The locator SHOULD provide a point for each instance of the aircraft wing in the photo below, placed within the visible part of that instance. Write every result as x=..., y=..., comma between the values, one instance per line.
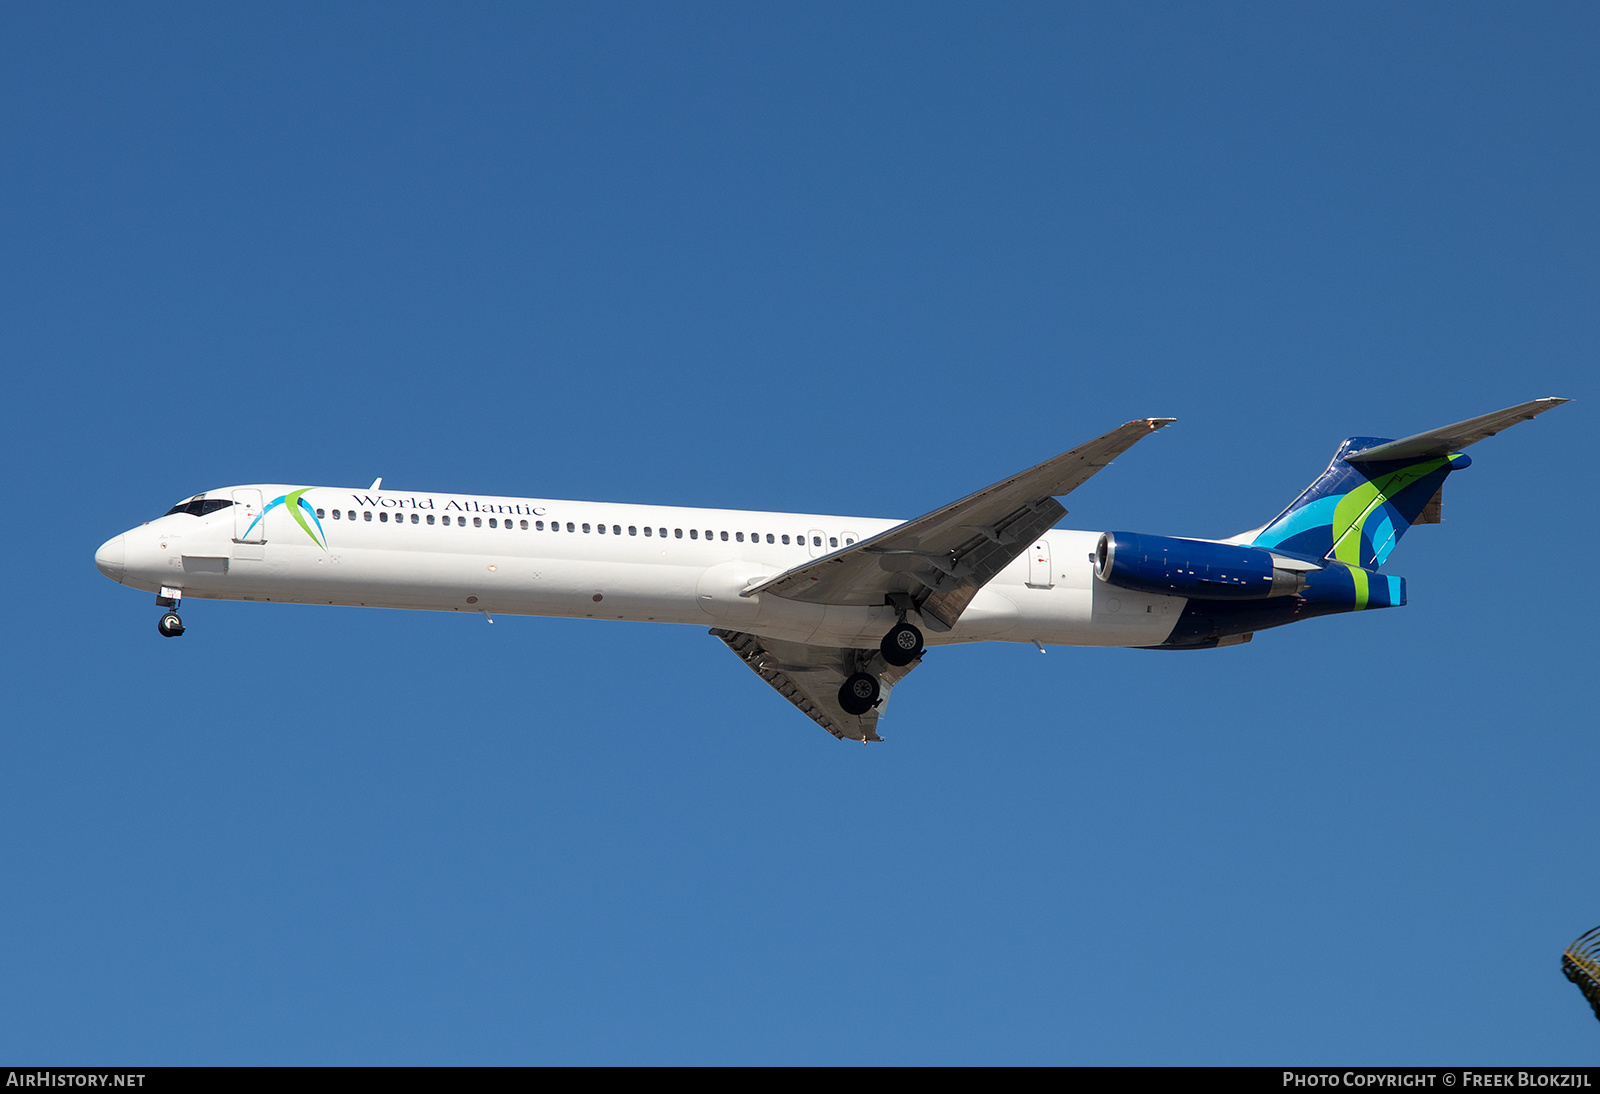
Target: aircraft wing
x=810, y=678
x=942, y=559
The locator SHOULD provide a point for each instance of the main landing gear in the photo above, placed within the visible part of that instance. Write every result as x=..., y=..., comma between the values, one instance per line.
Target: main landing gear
x=902, y=645
x=171, y=624
x=859, y=693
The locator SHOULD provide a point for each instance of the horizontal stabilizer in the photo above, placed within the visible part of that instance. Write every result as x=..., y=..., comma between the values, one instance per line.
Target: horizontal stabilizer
x=1453, y=438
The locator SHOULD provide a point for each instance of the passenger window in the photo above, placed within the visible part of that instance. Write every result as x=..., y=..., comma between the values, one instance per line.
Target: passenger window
x=769, y=538
x=663, y=533
x=538, y=526
x=785, y=539
x=616, y=529
x=524, y=525
x=366, y=514
x=694, y=533
x=415, y=519
x=477, y=522
x=585, y=529
x=571, y=528
x=816, y=541
x=601, y=528
x=833, y=541
x=677, y=533
x=493, y=523
x=351, y=513
x=725, y=537
x=647, y=530
x=430, y=518
x=739, y=537
x=320, y=514
x=337, y=514
x=633, y=529
x=383, y=518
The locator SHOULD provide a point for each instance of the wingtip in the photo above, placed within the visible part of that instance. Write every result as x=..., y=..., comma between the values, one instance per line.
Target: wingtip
x=1158, y=423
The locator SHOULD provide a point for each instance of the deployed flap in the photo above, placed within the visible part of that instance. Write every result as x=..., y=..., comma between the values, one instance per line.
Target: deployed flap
x=810, y=677
x=942, y=559
x=1453, y=438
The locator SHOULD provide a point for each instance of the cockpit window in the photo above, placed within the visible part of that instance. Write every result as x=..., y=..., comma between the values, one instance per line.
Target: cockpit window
x=199, y=506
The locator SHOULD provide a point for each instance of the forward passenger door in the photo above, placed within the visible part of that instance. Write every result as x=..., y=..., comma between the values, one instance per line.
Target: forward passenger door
x=247, y=527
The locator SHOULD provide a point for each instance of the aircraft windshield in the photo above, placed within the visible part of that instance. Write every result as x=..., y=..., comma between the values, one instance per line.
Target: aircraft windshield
x=199, y=506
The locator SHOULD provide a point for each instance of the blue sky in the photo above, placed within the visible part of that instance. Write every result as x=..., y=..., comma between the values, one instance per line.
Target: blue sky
x=816, y=258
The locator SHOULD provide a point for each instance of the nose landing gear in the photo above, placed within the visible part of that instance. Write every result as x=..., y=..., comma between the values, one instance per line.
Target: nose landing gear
x=171, y=624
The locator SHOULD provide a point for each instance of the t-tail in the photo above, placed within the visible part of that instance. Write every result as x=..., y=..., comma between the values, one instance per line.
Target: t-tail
x=1374, y=490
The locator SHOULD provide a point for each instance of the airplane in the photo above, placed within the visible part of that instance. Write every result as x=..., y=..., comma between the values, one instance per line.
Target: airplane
x=831, y=611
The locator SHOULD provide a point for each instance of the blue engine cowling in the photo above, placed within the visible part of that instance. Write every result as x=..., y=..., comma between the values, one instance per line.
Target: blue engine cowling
x=1190, y=567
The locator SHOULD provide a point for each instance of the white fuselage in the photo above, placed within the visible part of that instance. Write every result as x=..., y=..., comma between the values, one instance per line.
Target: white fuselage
x=647, y=563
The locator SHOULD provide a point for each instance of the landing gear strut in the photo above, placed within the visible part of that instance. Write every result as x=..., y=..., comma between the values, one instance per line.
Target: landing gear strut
x=902, y=645
x=859, y=693
x=171, y=624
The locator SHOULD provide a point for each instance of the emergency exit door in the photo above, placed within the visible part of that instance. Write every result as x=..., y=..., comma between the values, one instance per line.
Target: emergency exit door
x=1039, y=576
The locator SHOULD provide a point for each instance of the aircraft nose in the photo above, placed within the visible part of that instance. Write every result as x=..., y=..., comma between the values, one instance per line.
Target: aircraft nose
x=110, y=557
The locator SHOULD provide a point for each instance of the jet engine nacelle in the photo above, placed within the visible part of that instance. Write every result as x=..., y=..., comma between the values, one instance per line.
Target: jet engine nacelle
x=1190, y=567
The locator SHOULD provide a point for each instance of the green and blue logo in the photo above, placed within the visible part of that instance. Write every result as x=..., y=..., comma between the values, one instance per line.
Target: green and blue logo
x=300, y=509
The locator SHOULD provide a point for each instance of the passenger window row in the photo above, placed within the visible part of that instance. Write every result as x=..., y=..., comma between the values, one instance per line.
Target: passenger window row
x=555, y=526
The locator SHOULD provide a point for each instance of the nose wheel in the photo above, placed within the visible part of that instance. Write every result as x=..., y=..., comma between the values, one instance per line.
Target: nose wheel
x=902, y=645
x=171, y=624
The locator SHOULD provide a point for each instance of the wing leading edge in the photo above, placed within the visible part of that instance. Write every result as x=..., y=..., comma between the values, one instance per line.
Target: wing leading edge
x=941, y=559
